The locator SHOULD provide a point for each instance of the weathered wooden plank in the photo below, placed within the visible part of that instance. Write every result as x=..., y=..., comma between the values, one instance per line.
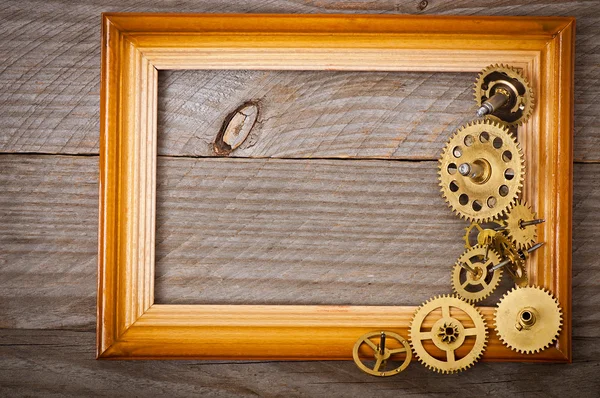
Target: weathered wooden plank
x=46, y=107
x=270, y=231
x=48, y=237
x=316, y=114
x=60, y=363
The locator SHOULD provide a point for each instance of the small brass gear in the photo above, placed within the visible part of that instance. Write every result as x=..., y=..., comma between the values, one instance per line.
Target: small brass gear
x=477, y=234
x=528, y=319
x=481, y=171
x=479, y=284
x=523, y=237
x=512, y=83
x=516, y=268
x=391, y=346
x=438, y=320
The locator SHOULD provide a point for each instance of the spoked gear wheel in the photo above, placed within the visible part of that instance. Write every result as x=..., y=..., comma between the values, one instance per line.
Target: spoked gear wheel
x=511, y=83
x=481, y=171
x=381, y=353
x=479, y=234
x=448, y=334
x=528, y=319
x=475, y=280
x=523, y=237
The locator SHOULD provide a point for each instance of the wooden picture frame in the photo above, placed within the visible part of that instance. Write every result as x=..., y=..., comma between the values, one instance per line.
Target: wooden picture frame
x=136, y=46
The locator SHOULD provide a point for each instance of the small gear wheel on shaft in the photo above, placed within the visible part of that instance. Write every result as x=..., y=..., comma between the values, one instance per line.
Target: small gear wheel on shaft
x=479, y=234
x=481, y=171
x=528, y=319
x=437, y=320
x=474, y=280
x=523, y=237
x=390, y=347
x=516, y=267
x=504, y=94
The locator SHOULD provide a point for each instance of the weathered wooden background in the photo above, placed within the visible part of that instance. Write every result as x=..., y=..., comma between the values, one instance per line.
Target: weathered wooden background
x=255, y=229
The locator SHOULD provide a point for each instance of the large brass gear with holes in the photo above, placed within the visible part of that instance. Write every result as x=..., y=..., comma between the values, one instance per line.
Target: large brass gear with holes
x=479, y=284
x=521, y=237
x=503, y=77
x=496, y=171
x=528, y=319
x=381, y=356
x=447, y=333
x=516, y=268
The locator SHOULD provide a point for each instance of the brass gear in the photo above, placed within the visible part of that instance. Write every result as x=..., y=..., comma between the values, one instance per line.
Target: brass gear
x=522, y=237
x=496, y=168
x=476, y=286
x=381, y=357
x=494, y=78
x=528, y=319
x=447, y=333
x=471, y=239
x=516, y=268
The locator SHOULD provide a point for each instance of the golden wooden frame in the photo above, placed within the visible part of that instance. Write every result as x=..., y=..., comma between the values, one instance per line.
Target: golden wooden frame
x=136, y=46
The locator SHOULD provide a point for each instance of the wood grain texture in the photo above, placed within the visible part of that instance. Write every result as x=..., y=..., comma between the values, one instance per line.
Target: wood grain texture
x=59, y=363
x=406, y=115
x=291, y=232
x=48, y=109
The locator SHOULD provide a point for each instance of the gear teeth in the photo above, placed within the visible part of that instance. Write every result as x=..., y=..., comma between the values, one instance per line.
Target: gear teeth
x=513, y=295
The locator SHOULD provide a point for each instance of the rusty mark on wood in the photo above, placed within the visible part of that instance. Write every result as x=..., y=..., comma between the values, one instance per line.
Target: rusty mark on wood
x=236, y=128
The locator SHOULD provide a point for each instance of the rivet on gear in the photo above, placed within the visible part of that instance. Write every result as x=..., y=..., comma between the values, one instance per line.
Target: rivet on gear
x=472, y=276
x=390, y=346
x=528, y=319
x=481, y=171
x=437, y=320
x=504, y=94
x=521, y=227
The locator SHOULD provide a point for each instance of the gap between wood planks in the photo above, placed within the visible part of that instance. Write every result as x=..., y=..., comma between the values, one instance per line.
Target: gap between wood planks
x=91, y=155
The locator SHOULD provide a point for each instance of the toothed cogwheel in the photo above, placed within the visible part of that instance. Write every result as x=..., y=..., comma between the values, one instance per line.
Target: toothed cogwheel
x=511, y=82
x=528, y=319
x=438, y=320
x=516, y=268
x=481, y=171
x=522, y=237
x=395, y=349
x=476, y=286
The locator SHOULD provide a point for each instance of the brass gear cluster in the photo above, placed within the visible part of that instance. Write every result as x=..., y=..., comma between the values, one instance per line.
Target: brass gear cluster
x=528, y=319
x=504, y=95
x=481, y=171
x=481, y=174
x=450, y=324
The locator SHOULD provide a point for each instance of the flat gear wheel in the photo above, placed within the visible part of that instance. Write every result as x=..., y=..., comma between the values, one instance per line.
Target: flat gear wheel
x=479, y=284
x=516, y=269
x=522, y=237
x=381, y=353
x=506, y=79
x=481, y=171
x=528, y=319
x=434, y=321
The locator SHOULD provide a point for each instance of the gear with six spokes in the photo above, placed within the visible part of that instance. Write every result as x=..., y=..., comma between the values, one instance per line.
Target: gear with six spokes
x=504, y=94
x=472, y=276
x=449, y=323
x=481, y=171
x=528, y=319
